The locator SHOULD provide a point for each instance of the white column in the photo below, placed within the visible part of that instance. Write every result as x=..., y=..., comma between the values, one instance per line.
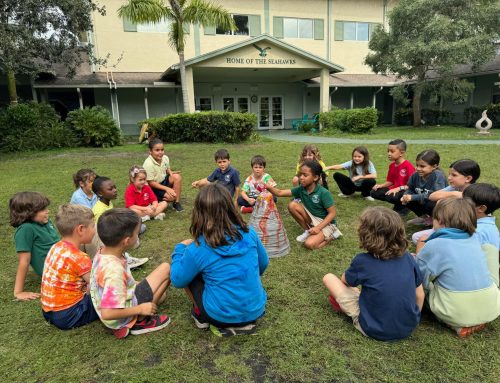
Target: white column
x=80, y=98
x=190, y=89
x=146, y=106
x=352, y=99
x=324, y=90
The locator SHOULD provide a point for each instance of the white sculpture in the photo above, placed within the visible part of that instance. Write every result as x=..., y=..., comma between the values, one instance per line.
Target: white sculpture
x=479, y=124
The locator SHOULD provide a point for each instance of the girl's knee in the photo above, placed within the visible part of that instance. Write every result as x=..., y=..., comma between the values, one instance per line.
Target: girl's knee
x=176, y=177
x=164, y=268
x=294, y=207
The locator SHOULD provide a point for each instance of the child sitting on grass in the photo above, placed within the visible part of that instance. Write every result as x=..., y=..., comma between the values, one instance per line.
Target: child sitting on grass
x=34, y=237
x=313, y=207
x=459, y=286
x=124, y=305
x=254, y=184
x=220, y=267
x=140, y=198
x=389, y=304
x=65, y=297
x=310, y=152
x=83, y=195
x=225, y=174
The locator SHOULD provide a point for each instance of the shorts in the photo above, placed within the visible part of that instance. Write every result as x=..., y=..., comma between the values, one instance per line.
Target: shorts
x=159, y=193
x=143, y=292
x=196, y=288
x=77, y=315
x=349, y=303
x=330, y=231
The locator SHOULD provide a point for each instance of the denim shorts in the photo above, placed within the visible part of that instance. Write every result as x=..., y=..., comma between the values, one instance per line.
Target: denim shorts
x=77, y=315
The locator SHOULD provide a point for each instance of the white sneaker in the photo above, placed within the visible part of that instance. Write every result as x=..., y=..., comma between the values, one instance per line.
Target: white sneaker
x=302, y=238
x=345, y=195
x=145, y=218
x=135, y=262
x=337, y=233
x=160, y=217
x=370, y=198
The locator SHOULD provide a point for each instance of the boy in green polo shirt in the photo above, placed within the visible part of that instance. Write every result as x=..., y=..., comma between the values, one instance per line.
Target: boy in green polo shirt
x=34, y=237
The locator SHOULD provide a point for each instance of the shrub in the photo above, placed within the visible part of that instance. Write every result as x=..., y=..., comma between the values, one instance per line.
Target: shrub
x=33, y=126
x=307, y=126
x=350, y=120
x=404, y=116
x=94, y=127
x=203, y=127
x=473, y=113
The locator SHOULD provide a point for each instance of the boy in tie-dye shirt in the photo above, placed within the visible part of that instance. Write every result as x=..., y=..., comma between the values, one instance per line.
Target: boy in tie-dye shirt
x=64, y=294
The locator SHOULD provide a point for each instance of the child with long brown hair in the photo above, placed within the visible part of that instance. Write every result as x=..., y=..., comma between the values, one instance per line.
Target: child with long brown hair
x=389, y=303
x=362, y=174
x=310, y=152
x=220, y=267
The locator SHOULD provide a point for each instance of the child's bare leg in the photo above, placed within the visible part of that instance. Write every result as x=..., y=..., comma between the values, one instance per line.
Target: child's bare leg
x=299, y=214
x=335, y=286
x=176, y=181
x=316, y=241
x=159, y=280
x=295, y=181
x=140, y=213
x=160, y=208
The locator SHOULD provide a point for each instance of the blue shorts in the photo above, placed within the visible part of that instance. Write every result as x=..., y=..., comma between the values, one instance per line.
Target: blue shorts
x=77, y=315
x=159, y=193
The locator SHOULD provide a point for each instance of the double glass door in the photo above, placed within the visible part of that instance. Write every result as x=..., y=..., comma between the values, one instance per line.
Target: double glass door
x=271, y=112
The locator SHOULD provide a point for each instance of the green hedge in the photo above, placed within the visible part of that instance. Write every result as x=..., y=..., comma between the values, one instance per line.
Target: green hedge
x=361, y=120
x=203, y=127
x=32, y=126
x=94, y=127
x=404, y=116
x=473, y=113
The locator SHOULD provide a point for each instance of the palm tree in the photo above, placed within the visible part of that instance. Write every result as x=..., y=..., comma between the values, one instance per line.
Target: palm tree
x=179, y=13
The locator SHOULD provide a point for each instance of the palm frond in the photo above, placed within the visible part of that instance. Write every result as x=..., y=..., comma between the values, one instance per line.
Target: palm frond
x=176, y=37
x=145, y=11
x=207, y=13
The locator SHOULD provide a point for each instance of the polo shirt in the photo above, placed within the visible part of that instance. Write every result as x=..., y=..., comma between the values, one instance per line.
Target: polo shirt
x=316, y=202
x=80, y=198
x=144, y=197
x=400, y=174
x=37, y=239
x=230, y=178
x=99, y=208
x=156, y=171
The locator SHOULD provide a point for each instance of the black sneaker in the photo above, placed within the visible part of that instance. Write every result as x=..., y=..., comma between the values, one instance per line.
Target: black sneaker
x=177, y=207
x=198, y=323
x=150, y=324
x=233, y=331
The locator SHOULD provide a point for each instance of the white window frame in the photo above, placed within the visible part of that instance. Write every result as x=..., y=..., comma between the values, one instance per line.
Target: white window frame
x=297, y=21
x=282, y=112
x=356, y=25
x=235, y=32
x=198, y=103
x=235, y=101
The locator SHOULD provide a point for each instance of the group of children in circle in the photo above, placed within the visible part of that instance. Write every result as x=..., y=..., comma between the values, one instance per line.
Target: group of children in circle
x=455, y=268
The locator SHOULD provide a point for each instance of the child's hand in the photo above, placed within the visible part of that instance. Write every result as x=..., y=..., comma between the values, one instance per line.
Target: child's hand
x=148, y=308
x=376, y=187
x=171, y=193
x=195, y=184
x=187, y=242
x=314, y=230
x=26, y=296
x=355, y=178
x=150, y=210
x=405, y=199
x=392, y=191
x=251, y=201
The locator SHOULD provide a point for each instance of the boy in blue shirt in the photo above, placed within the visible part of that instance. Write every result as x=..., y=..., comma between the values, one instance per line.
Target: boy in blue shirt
x=225, y=174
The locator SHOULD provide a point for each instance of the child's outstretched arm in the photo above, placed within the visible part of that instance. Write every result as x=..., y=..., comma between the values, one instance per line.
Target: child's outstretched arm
x=22, y=270
x=200, y=183
x=442, y=194
x=278, y=192
x=334, y=167
x=146, y=309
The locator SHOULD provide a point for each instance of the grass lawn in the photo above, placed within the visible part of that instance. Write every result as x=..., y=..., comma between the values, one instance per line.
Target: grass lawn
x=445, y=132
x=300, y=339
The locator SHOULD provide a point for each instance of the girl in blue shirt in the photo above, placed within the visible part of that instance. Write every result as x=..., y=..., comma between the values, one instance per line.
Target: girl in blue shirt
x=83, y=195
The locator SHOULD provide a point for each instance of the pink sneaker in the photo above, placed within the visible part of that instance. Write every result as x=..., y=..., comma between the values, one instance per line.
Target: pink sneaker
x=246, y=209
x=121, y=333
x=150, y=324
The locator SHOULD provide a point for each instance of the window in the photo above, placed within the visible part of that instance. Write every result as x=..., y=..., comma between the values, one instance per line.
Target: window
x=203, y=104
x=298, y=28
x=160, y=27
x=353, y=30
x=235, y=104
x=241, y=22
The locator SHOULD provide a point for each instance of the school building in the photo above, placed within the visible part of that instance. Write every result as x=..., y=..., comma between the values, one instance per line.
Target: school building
x=288, y=58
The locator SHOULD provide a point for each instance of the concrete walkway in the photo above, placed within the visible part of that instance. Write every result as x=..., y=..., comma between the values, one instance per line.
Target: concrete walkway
x=287, y=135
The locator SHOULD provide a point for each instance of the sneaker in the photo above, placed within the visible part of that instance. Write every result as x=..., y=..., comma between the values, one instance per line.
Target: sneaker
x=369, y=198
x=416, y=221
x=337, y=233
x=133, y=262
x=302, y=238
x=335, y=305
x=160, y=217
x=197, y=323
x=464, y=332
x=145, y=218
x=246, y=209
x=150, y=324
x=121, y=333
x=142, y=229
x=232, y=331
x=177, y=207
x=345, y=195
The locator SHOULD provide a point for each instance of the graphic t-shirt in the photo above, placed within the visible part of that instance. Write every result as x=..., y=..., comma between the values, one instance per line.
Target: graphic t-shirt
x=144, y=197
x=254, y=187
x=400, y=174
x=112, y=286
x=62, y=282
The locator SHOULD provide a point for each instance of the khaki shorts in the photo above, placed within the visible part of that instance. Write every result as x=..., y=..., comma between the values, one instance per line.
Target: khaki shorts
x=329, y=231
x=349, y=303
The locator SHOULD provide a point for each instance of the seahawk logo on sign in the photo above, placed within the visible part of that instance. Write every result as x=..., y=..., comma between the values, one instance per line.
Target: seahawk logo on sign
x=263, y=51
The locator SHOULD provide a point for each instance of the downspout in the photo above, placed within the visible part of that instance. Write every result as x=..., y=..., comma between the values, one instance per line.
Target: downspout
x=375, y=96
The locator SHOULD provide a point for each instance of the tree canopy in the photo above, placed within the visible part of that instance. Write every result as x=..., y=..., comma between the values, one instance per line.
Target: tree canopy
x=427, y=39
x=34, y=35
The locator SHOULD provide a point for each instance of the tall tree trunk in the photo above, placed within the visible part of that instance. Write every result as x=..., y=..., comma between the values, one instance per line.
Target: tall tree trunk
x=182, y=67
x=11, y=86
x=417, y=108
